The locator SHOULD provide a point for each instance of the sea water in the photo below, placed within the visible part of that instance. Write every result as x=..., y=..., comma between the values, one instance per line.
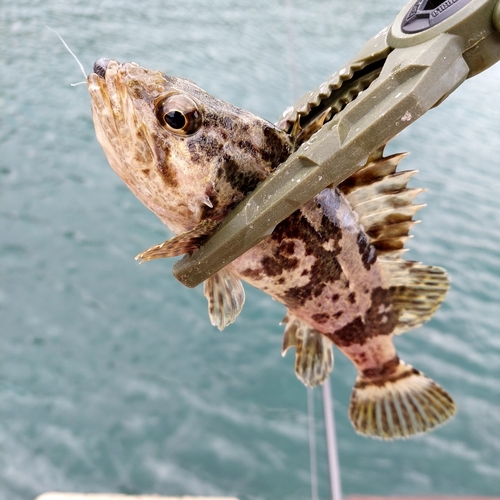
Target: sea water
x=112, y=378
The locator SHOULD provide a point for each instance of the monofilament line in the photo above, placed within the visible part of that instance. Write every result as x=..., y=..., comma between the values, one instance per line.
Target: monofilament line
x=331, y=441
x=312, y=444
x=71, y=52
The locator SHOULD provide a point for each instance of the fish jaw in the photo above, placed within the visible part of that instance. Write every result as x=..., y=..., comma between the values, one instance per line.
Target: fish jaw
x=182, y=179
x=126, y=128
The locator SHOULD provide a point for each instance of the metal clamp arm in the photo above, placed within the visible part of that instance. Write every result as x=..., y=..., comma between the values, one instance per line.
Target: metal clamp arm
x=419, y=74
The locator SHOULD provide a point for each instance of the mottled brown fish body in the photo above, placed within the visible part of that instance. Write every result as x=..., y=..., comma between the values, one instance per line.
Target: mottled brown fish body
x=336, y=263
x=319, y=264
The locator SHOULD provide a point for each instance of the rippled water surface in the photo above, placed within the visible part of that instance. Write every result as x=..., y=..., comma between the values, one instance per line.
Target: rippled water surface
x=112, y=378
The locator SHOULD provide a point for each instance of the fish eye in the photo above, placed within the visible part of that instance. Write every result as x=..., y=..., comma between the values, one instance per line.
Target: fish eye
x=178, y=114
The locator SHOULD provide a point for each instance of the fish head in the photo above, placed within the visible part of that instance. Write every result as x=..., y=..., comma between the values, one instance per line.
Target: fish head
x=186, y=155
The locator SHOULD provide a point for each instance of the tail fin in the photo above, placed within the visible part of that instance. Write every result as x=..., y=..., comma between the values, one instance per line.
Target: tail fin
x=406, y=404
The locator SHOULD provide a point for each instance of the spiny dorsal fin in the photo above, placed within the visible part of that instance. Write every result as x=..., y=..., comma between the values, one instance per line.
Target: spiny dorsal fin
x=376, y=167
x=313, y=351
x=384, y=204
x=300, y=135
x=182, y=243
x=226, y=296
x=378, y=194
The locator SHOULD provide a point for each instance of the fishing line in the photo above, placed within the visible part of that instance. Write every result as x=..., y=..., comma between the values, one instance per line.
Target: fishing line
x=71, y=52
x=329, y=419
x=293, y=77
x=312, y=444
x=331, y=441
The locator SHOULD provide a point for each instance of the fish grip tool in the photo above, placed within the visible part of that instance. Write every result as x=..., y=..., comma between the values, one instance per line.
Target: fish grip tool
x=431, y=48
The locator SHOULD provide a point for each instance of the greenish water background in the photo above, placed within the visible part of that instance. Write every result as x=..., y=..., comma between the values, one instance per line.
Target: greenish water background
x=112, y=378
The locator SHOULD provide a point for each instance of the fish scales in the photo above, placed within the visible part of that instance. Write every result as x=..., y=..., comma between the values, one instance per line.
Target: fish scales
x=336, y=263
x=319, y=264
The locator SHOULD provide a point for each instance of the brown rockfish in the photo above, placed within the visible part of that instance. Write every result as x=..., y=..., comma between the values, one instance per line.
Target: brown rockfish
x=336, y=263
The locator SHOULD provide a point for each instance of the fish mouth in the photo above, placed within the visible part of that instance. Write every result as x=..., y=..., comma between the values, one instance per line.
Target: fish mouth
x=113, y=109
x=115, y=121
x=108, y=98
x=121, y=97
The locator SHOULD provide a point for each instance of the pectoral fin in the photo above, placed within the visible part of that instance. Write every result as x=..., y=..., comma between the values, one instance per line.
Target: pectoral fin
x=182, y=243
x=226, y=296
x=313, y=351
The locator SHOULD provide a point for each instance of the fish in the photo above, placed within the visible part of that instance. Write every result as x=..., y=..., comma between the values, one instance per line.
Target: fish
x=336, y=263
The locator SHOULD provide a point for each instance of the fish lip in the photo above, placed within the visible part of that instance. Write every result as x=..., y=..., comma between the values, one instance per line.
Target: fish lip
x=108, y=97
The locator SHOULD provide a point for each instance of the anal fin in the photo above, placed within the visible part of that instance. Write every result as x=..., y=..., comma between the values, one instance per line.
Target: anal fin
x=226, y=296
x=313, y=351
x=182, y=243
